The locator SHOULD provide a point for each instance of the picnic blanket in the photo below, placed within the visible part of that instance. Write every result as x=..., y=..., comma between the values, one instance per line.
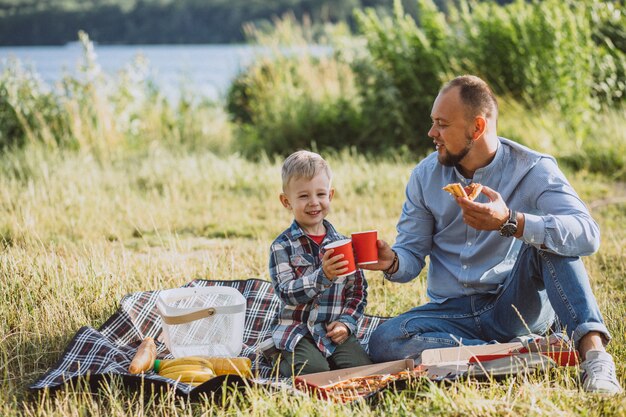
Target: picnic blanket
x=96, y=355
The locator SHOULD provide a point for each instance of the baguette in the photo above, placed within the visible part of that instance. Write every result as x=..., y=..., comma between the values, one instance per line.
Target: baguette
x=144, y=358
x=457, y=190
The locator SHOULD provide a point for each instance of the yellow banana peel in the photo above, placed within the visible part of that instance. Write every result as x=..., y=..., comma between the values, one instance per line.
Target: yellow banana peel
x=197, y=375
x=165, y=364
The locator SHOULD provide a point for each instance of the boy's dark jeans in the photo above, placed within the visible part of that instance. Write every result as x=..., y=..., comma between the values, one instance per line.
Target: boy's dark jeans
x=307, y=358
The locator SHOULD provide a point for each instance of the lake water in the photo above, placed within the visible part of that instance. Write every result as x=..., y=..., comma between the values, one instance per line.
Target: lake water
x=208, y=69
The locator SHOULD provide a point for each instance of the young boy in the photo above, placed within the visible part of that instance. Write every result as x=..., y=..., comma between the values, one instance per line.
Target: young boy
x=317, y=324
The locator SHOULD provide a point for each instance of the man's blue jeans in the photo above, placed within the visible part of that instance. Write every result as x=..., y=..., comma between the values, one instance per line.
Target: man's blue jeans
x=540, y=285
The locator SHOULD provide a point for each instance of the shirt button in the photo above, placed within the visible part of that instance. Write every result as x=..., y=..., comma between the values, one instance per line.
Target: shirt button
x=469, y=243
x=464, y=266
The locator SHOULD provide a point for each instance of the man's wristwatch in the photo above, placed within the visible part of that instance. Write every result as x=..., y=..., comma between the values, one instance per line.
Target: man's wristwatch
x=509, y=228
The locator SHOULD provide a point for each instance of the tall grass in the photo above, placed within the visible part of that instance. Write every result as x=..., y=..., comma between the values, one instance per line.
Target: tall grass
x=77, y=234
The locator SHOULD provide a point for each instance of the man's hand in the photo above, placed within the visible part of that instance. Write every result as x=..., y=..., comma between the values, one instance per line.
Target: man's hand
x=385, y=257
x=337, y=332
x=484, y=216
x=333, y=265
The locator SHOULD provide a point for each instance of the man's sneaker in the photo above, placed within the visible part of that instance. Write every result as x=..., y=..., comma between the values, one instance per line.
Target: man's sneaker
x=598, y=373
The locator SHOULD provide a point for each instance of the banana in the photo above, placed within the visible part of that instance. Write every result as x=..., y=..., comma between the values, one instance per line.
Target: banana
x=196, y=370
x=187, y=360
x=198, y=375
x=184, y=367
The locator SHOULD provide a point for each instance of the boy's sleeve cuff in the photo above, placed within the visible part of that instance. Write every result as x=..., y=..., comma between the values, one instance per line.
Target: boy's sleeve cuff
x=350, y=323
x=323, y=279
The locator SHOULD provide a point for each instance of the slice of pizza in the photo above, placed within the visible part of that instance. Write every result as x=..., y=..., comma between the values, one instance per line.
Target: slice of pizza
x=457, y=190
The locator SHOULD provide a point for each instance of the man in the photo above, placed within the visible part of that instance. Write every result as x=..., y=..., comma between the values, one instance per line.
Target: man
x=501, y=265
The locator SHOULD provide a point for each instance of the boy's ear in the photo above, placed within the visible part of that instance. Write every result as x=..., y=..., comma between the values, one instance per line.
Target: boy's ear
x=331, y=194
x=284, y=200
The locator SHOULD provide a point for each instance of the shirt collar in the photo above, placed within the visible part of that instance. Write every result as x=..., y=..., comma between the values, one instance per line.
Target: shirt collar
x=485, y=171
x=297, y=232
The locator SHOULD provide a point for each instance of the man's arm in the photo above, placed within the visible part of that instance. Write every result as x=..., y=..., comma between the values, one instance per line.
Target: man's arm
x=414, y=239
x=564, y=226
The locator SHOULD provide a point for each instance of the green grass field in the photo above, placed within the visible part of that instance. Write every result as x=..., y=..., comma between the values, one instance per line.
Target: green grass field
x=79, y=232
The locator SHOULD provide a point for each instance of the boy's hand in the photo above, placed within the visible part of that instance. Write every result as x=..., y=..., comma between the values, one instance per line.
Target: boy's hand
x=337, y=332
x=333, y=265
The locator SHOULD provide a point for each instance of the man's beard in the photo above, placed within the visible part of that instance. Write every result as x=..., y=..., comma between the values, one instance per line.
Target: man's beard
x=449, y=159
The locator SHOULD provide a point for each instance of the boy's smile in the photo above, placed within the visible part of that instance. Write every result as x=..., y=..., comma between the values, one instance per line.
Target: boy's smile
x=309, y=201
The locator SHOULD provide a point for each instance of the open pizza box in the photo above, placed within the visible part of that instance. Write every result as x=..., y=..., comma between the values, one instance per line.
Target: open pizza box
x=462, y=354
x=447, y=362
x=328, y=384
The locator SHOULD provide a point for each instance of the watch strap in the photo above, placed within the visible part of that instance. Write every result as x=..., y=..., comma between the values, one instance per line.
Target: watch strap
x=509, y=228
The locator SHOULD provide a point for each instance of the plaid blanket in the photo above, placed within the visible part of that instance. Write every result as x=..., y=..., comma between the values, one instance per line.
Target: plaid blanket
x=96, y=355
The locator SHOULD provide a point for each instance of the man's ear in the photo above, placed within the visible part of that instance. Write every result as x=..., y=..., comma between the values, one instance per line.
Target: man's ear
x=480, y=127
x=284, y=200
x=331, y=194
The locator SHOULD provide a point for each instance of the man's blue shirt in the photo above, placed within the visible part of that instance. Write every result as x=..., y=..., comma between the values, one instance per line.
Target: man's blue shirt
x=465, y=261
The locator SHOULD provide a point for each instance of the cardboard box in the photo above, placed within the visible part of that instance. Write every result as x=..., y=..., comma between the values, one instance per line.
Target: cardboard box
x=456, y=361
x=320, y=382
x=462, y=354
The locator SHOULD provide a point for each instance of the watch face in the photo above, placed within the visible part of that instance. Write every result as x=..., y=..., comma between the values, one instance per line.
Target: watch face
x=508, y=229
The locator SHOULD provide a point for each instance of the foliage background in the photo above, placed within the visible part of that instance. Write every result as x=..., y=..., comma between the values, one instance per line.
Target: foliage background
x=377, y=89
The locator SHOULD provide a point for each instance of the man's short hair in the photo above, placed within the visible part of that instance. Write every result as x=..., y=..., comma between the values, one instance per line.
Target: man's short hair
x=304, y=164
x=475, y=95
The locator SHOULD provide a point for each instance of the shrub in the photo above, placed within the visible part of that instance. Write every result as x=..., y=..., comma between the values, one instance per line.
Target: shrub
x=28, y=110
x=292, y=102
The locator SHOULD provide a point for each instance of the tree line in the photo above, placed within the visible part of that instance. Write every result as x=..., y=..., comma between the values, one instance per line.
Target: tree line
x=56, y=22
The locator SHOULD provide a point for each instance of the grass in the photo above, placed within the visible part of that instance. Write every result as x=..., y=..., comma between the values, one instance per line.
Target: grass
x=77, y=233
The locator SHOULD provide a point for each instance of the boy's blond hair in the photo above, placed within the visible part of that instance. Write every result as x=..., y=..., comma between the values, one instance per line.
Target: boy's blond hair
x=304, y=164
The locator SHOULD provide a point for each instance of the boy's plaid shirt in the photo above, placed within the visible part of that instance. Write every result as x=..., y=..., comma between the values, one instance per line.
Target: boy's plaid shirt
x=309, y=299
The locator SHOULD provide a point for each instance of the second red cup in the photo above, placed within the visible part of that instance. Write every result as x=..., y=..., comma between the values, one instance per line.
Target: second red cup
x=344, y=246
x=365, y=248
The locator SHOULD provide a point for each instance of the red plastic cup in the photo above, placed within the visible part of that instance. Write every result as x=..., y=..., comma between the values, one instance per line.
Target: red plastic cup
x=365, y=248
x=343, y=246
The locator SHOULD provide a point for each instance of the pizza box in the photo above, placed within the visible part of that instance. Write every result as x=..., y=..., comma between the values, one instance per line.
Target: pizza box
x=321, y=381
x=462, y=354
x=456, y=361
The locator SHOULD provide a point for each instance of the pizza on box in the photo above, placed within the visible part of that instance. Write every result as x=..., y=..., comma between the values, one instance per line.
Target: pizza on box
x=457, y=190
x=359, y=387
